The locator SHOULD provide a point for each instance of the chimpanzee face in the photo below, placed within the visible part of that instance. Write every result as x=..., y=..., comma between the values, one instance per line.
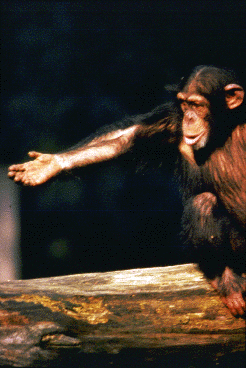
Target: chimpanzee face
x=196, y=119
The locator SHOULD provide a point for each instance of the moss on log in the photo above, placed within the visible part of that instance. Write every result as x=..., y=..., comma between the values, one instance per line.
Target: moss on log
x=157, y=308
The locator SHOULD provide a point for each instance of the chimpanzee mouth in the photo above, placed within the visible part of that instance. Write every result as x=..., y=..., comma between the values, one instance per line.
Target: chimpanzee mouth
x=192, y=139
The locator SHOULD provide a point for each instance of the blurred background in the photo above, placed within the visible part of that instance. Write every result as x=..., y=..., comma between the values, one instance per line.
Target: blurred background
x=68, y=68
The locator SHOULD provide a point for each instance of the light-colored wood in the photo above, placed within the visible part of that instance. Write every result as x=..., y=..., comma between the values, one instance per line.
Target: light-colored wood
x=165, y=308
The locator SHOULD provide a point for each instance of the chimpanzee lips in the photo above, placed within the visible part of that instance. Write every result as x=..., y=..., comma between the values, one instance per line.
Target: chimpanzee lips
x=192, y=139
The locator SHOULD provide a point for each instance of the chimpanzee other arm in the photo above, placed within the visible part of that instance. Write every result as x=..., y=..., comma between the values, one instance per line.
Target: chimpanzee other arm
x=46, y=166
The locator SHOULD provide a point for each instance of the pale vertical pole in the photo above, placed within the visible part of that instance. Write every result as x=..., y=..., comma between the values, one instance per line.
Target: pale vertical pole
x=10, y=261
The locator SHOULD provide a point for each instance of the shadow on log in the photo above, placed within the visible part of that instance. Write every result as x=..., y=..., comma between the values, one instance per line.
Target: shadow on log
x=169, y=309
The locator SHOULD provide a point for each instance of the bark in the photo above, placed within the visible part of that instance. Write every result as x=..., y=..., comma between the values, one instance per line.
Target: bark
x=158, y=308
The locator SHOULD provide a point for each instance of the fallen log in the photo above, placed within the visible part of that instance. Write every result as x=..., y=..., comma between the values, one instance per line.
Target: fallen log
x=157, y=308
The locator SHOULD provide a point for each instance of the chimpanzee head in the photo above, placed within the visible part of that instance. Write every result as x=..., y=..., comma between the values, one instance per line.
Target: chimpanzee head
x=205, y=98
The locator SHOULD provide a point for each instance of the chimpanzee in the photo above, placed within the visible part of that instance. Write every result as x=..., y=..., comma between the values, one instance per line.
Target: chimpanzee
x=203, y=134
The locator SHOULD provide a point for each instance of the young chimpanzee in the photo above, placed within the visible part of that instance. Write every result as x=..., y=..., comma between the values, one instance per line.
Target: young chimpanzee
x=203, y=133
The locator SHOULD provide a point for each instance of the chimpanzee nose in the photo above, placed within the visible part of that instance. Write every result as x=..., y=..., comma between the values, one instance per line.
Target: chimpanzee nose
x=189, y=116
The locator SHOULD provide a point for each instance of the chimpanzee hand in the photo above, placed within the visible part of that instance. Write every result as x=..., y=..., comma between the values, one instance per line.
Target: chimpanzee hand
x=231, y=288
x=36, y=172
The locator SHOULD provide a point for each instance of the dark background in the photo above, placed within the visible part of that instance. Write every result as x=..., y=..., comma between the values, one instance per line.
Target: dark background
x=68, y=68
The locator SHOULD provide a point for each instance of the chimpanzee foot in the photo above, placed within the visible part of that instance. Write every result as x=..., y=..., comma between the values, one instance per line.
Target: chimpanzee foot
x=231, y=288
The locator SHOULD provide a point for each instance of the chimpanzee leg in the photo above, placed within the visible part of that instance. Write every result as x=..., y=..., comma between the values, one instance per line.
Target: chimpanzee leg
x=208, y=228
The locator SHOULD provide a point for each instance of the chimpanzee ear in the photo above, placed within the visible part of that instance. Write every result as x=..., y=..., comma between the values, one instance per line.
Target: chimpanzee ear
x=234, y=95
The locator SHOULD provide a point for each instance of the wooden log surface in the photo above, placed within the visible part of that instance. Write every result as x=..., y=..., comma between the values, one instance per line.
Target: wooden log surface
x=158, y=308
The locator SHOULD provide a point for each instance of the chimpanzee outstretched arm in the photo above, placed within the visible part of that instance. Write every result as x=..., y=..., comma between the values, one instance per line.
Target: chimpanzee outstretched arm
x=102, y=148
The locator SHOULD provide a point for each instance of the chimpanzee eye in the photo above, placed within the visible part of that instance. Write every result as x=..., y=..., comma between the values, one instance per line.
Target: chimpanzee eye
x=195, y=104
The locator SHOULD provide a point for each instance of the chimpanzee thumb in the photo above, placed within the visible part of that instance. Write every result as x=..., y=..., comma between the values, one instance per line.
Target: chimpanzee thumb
x=34, y=154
